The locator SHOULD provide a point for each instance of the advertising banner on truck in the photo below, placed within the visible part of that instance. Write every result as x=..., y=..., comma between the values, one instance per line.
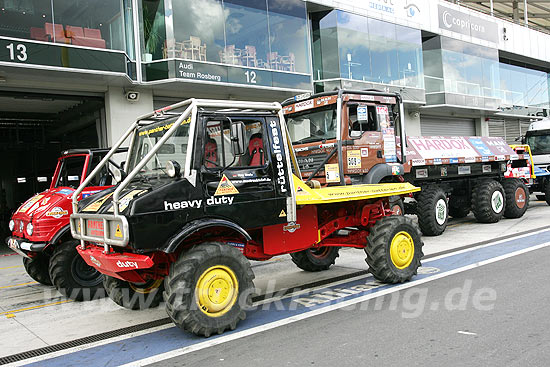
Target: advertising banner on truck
x=457, y=149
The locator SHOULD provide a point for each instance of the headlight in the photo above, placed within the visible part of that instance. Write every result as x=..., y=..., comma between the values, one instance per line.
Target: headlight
x=11, y=225
x=30, y=229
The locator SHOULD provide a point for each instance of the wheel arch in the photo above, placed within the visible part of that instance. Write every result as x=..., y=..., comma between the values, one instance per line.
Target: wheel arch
x=200, y=225
x=380, y=171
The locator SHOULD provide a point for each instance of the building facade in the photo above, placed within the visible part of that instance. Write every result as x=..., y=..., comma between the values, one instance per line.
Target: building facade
x=69, y=69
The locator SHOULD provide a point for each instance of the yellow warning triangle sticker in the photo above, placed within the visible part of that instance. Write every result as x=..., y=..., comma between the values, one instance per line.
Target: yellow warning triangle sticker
x=225, y=187
x=283, y=214
x=118, y=232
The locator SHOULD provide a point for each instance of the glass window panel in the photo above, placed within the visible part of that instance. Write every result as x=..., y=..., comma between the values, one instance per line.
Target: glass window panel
x=326, y=63
x=383, y=51
x=246, y=33
x=198, y=30
x=25, y=19
x=97, y=24
x=353, y=43
x=288, y=35
x=153, y=30
x=409, y=50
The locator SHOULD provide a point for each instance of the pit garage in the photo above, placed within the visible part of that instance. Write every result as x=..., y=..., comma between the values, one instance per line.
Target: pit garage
x=34, y=129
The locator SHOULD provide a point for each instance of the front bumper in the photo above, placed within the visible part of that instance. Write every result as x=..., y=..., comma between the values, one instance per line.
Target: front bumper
x=126, y=266
x=23, y=247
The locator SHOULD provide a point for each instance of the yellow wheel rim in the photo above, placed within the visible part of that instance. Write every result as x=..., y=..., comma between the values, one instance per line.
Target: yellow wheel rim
x=147, y=287
x=217, y=290
x=402, y=250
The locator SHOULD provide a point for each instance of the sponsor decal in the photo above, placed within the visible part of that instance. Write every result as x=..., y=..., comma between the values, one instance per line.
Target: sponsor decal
x=225, y=187
x=453, y=160
x=364, y=152
x=252, y=180
x=354, y=159
x=95, y=227
x=437, y=147
x=444, y=172
x=238, y=245
x=89, y=193
x=332, y=173
x=395, y=170
x=291, y=227
x=422, y=173
x=45, y=201
x=418, y=162
x=95, y=261
x=57, y=212
x=196, y=204
x=127, y=264
x=305, y=105
x=470, y=160
x=500, y=158
x=485, y=159
x=30, y=203
x=300, y=191
x=464, y=170
x=277, y=150
x=127, y=199
x=94, y=207
x=65, y=191
x=282, y=214
x=163, y=127
x=437, y=161
x=486, y=168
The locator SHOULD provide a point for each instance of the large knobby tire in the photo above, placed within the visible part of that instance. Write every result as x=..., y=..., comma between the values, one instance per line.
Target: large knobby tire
x=488, y=201
x=315, y=259
x=432, y=210
x=134, y=296
x=394, y=249
x=459, y=206
x=209, y=289
x=37, y=268
x=517, y=197
x=72, y=277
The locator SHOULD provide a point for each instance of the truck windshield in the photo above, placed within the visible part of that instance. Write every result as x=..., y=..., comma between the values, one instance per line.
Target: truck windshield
x=173, y=149
x=70, y=172
x=312, y=125
x=540, y=143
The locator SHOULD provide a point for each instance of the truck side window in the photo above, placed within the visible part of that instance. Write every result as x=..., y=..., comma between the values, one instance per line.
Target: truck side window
x=217, y=147
x=362, y=118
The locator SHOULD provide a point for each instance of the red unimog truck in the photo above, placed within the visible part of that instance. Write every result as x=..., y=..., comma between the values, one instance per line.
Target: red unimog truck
x=40, y=226
x=354, y=137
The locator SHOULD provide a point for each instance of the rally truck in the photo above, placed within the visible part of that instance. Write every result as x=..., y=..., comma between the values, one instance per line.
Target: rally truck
x=536, y=178
x=212, y=184
x=40, y=226
x=347, y=137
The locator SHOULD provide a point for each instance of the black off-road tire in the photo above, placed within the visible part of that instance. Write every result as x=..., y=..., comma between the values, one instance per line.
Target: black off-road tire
x=488, y=201
x=315, y=259
x=517, y=197
x=432, y=210
x=134, y=296
x=37, y=268
x=181, y=288
x=72, y=277
x=378, y=249
x=459, y=206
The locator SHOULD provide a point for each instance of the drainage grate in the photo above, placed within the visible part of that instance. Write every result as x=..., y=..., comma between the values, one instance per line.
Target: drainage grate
x=82, y=341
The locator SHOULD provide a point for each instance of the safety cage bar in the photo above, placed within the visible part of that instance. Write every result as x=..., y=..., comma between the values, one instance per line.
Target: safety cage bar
x=78, y=220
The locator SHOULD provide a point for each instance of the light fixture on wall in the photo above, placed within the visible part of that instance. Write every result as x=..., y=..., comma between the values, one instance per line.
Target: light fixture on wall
x=414, y=114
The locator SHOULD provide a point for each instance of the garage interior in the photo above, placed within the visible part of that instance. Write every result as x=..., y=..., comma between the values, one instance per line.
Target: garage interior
x=34, y=129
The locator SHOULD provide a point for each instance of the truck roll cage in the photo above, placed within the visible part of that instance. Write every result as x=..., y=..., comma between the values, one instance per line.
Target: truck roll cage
x=192, y=107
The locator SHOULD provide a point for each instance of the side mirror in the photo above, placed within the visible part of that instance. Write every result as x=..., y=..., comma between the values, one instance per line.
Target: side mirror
x=118, y=174
x=237, y=138
x=173, y=169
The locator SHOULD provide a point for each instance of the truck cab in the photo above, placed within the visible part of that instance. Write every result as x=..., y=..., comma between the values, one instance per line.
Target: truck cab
x=40, y=226
x=538, y=138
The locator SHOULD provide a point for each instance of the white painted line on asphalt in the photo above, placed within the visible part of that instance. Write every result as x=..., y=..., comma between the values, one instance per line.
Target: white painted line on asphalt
x=275, y=324
x=466, y=333
x=88, y=346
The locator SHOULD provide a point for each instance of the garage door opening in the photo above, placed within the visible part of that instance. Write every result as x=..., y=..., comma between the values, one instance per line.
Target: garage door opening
x=34, y=129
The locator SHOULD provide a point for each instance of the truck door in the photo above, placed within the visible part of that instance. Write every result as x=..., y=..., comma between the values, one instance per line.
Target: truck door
x=241, y=189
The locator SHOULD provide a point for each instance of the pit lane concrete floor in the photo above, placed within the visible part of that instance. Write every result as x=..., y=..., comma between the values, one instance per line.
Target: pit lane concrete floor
x=34, y=316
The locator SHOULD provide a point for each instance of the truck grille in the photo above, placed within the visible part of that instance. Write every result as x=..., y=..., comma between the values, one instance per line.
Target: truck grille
x=310, y=162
